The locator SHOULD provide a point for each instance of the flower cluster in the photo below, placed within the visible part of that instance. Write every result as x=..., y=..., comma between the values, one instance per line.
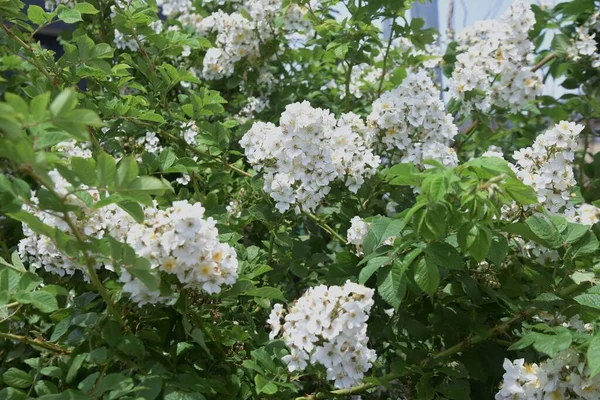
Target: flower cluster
x=565, y=376
x=150, y=142
x=328, y=326
x=493, y=67
x=547, y=165
x=413, y=124
x=307, y=152
x=239, y=34
x=585, y=43
x=357, y=232
x=179, y=241
x=176, y=241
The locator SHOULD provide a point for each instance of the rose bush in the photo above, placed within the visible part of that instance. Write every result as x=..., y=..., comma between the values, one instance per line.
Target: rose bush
x=250, y=199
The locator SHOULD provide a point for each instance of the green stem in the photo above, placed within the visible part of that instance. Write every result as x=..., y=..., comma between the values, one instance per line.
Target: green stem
x=543, y=61
x=326, y=227
x=348, y=79
x=385, y=57
x=35, y=342
x=89, y=261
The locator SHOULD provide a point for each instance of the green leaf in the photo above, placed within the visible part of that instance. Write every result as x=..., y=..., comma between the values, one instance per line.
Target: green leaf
x=44, y=301
x=266, y=292
x=101, y=50
x=151, y=116
x=481, y=245
x=85, y=169
x=545, y=230
x=263, y=385
x=589, y=300
x=134, y=209
x=127, y=171
x=551, y=344
x=64, y=102
x=141, y=270
x=39, y=104
x=17, y=378
x=585, y=246
x=403, y=174
x=498, y=250
x=113, y=382
x=593, y=356
x=381, y=229
x=86, y=8
x=36, y=14
x=69, y=15
x=372, y=265
x=435, y=187
x=148, y=184
x=392, y=288
x=16, y=262
x=520, y=192
x=427, y=277
x=560, y=44
x=106, y=170
x=76, y=363
x=444, y=255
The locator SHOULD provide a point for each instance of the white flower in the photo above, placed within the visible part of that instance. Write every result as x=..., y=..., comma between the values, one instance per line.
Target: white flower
x=327, y=326
x=412, y=124
x=308, y=152
x=494, y=63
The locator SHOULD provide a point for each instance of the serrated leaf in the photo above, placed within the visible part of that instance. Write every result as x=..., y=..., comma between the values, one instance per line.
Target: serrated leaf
x=17, y=378
x=427, y=277
x=593, y=356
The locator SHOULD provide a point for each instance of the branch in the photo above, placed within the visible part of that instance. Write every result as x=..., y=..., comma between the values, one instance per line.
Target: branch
x=32, y=61
x=385, y=57
x=89, y=261
x=543, y=61
x=325, y=227
x=467, y=133
x=35, y=342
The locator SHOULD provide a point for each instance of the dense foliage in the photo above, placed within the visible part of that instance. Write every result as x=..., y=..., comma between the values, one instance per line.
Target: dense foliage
x=251, y=199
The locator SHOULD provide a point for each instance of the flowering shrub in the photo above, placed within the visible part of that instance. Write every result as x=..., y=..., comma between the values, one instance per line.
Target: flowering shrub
x=252, y=199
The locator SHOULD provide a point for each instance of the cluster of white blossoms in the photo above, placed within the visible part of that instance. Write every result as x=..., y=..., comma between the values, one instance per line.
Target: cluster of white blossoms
x=150, y=143
x=357, y=232
x=547, y=165
x=239, y=34
x=328, y=326
x=494, y=64
x=308, y=152
x=179, y=241
x=565, y=376
x=413, y=124
x=585, y=44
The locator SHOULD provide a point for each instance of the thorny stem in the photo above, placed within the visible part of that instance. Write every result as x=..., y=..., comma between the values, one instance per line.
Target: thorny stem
x=35, y=342
x=325, y=227
x=462, y=345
